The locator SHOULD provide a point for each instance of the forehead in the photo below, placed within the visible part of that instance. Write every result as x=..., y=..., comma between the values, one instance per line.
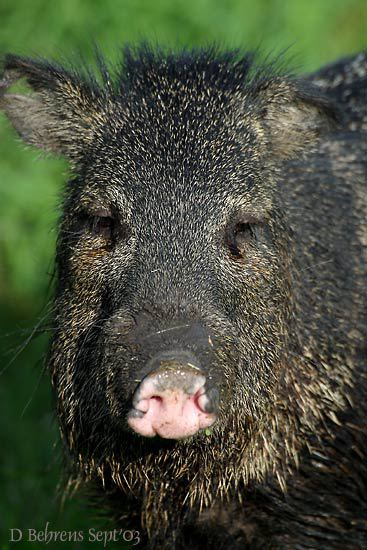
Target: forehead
x=153, y=149
x=131, y=178
x=174, y=141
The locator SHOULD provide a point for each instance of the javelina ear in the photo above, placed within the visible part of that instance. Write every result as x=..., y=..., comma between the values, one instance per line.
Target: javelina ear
x=61, y=113
x=294, y=115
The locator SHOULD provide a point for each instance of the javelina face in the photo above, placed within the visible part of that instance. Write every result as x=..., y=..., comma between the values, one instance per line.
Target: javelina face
x=174, y=263
x=169, y=242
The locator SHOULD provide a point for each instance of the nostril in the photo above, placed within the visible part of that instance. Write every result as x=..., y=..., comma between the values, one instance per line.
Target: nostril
x=157, y=400
x=207, y=400
x=142, y=405
x=201, y=399
x=210, y=400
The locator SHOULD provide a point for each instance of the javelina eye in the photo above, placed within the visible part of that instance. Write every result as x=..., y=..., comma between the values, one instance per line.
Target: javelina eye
x=239, y=237
x=102, y=225
x=243, y=233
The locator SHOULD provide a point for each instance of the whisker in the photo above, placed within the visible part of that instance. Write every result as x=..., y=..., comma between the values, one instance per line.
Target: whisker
x=35, y=331
x=34, y=390
x=167, y=330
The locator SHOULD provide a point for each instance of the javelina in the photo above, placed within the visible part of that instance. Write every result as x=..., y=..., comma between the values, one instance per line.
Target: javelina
x=211, y=292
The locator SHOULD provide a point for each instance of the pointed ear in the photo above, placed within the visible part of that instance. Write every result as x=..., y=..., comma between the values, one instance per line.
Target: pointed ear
x=293, y=115
x=61, y=114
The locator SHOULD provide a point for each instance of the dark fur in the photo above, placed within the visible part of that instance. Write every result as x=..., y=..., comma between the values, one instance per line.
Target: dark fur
x=178, y=149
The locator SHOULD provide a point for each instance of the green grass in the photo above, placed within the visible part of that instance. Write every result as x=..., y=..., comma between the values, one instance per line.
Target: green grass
x=317, y=32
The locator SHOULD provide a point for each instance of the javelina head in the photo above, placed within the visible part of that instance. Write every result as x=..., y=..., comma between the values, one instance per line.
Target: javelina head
x=174, y=299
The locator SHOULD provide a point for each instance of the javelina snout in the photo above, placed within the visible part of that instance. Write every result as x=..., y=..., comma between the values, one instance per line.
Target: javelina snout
x=176, y=395
x=172, y=401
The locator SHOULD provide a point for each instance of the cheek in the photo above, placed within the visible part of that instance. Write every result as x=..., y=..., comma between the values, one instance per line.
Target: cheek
x=79, y=299
x=249, y=285
x=85, y=263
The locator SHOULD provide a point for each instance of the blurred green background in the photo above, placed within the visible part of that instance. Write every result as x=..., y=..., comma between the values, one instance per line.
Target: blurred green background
x=316, y=32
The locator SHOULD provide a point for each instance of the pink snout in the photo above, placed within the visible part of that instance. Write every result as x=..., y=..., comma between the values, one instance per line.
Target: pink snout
x=171, y=402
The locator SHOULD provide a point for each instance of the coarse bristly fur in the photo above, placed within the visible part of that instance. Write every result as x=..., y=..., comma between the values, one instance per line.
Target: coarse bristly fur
x=206, y=189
